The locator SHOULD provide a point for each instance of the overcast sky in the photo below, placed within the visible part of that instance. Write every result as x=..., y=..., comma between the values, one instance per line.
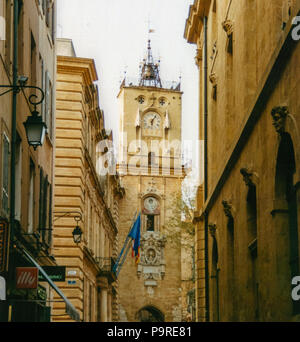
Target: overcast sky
x=115, y=34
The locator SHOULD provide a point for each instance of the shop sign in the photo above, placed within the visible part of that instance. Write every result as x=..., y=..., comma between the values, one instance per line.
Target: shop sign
x=55, y=273
x=3, y=245
x=27, y=277
x=42, y=293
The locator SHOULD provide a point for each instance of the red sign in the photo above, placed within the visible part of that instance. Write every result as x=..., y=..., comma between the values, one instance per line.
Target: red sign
x=27, y=278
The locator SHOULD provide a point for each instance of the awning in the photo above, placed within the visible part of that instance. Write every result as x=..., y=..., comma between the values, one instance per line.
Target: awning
x=70, y=310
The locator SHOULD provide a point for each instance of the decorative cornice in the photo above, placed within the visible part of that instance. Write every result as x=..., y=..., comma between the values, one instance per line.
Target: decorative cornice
x=77, y=65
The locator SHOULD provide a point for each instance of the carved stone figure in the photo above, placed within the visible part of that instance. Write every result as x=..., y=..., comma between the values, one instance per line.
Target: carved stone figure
x=279, y=115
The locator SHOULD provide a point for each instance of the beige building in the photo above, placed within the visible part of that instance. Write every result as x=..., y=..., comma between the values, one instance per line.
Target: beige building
x=81, y=194
x=29, y=205
x=248, y=209
x=151, y=173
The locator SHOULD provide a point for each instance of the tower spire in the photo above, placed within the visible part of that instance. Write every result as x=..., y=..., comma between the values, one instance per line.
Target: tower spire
x=149, y=76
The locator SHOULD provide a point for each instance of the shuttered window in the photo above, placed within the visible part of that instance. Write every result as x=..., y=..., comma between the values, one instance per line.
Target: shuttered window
x=5, y=173
x=48, y=104
x=45, y=209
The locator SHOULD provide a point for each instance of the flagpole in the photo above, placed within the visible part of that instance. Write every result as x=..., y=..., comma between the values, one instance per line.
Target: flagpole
x=123, y=259
x=125, y=244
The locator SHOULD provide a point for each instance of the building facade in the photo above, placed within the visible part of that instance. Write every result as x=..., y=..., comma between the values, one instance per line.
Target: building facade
x=28, y=58
x=248, y=207
x=151, y=172
x=83, y=193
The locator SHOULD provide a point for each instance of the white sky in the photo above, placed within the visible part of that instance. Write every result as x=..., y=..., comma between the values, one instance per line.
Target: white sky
x=115, y=34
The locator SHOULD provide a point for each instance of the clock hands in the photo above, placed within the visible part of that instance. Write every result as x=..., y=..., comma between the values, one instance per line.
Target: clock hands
x=153, y=120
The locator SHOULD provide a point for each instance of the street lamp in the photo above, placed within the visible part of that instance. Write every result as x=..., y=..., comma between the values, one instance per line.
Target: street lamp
x=77, y=234
x=34, y=125
x=35, y=129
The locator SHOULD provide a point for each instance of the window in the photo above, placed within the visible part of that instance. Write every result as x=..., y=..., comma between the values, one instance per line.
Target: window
x=252, y=238
x=150, y=223
x=151, y=213
x=33, y=60
x=8, y=41
x=5, y=173
x=48, y=115
x=151, y=158
x=231, y=262
x=20, y=38
x=31, y=197
x=18, y=178
x=286, y=217
x=45, y=208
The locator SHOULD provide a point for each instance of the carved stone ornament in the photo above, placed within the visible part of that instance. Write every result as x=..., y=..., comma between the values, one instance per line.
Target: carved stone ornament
x=228, y=27
x=213, y=79
x=152, y=263
x=227, y=209
x=279, y=115
x=151, y=189
x=152, y=100
x=247, y=176
x=212, y=227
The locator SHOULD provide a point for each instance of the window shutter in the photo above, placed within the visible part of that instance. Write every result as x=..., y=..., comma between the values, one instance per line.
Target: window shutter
x=44, y=206
x=41, y=201
x=43, y=87
x=47, y=99
x=50, y=216
x=5, y=174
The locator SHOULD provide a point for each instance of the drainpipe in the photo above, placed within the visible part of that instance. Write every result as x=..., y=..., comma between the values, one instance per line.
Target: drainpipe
x=13, y=133
x=205, y=174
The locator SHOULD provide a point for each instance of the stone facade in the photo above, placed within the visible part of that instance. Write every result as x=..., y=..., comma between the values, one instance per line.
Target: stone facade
x=81, y=192
x=34, y=176
x=248, y=213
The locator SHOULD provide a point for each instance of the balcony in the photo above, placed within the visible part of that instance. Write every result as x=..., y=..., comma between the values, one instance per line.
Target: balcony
x=106, y=268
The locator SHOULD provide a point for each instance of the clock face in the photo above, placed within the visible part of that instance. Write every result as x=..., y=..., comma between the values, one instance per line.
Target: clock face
x=152, y=121
x=150, y=203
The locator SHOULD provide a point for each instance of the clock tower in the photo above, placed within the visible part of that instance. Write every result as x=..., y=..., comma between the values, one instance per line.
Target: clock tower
x=150, y=168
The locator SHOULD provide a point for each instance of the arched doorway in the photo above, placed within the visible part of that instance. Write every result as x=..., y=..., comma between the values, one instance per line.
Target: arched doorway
x=150, y=314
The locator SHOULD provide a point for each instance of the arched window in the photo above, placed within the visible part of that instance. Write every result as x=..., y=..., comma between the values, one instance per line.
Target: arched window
x=230, y=265
x=229, y=261
x=286, y=220
x=252, y=245
x=215, y=282
x=151, y=159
